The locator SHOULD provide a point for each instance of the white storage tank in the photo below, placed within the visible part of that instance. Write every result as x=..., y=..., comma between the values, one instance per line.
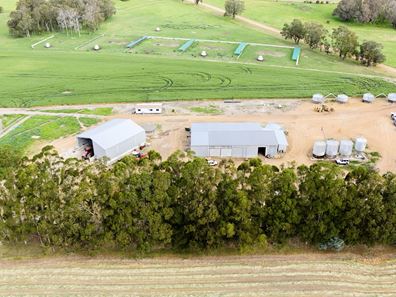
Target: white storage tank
x=368, y=97
x=392, y=97
x=332, y=148
x=346, y=147
x=360, y=144
x=342, y=98
x=318, y=98
x=319, y=149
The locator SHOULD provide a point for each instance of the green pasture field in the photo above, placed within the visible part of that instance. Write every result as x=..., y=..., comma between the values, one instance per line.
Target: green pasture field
x=10, y=119
x=277, y=13
x=43, y=128
x=105, y=111
x=150, y=72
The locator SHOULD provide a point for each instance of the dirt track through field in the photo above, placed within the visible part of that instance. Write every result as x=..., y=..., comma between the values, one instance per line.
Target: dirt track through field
x=282, y=275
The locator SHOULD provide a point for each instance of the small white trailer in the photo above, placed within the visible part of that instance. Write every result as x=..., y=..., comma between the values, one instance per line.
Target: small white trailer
x=149, y=108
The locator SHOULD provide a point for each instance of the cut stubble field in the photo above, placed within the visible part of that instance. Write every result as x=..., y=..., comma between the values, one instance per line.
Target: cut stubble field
x=310, y=274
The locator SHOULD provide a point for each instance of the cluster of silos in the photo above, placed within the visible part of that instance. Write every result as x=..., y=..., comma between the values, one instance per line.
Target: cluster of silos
x=332, y=148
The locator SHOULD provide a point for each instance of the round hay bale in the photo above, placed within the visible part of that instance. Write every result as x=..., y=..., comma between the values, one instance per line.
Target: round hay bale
x=96, y=47
x=204, y=54
x=260, y=58
x=47, y=45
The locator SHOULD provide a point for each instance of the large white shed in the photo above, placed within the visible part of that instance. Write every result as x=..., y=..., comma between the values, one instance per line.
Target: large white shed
x=238, y=140
x=113, y=139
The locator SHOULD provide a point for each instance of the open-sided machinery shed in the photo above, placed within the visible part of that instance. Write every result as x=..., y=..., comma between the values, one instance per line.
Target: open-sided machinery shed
x=113, y=139
x=236, y=140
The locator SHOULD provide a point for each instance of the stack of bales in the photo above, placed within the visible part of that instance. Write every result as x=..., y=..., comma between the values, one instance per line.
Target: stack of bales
x=368, y=97
x=392, y=97
x=318, y=98
x=342, y=98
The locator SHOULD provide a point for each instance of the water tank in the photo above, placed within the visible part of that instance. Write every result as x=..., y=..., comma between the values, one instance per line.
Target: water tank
x=96, y=47
x=392, y=97
x=319, y=149
x=318, y=98
x=47, y=45
x=346, y=147
x=332, y=148
x=368, y=97
x=342, y=98
x=204, y=54
x=360, y=144
x=260, y=58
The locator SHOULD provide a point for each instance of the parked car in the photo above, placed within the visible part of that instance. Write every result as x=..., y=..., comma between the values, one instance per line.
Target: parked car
x=212, y=162
x=342, y=162
x=393, y=115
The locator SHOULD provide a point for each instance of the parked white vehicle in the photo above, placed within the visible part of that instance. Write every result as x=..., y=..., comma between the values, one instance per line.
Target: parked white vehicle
x=212, y=162
x=342, y=162
x=393, y=115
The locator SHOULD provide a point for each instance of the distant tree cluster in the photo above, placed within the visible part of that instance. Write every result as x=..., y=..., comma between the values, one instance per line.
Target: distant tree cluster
x=342, y=41
x=37, y=16
x=367, y=11
x=184, y=203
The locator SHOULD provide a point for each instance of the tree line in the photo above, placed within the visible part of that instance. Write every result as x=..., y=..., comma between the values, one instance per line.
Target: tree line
x=367, y=11
x=184, y=203
x=341, y=40
x=70, y=16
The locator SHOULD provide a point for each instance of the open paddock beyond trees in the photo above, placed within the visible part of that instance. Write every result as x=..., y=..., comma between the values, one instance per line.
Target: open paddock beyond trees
x=277, y=13
x=70, y=72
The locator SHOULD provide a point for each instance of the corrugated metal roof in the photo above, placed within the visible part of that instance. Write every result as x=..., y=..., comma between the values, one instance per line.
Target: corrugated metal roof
x=235, y=134
x=112, y=132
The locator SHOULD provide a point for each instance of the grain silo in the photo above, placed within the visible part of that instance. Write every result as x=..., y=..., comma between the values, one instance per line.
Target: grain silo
x=332, y=148
x=319, y=149
x=346, y=147
x=392, y=97
x=342, y=98
x=368, y=97
x=318, y=98
x=360, y=144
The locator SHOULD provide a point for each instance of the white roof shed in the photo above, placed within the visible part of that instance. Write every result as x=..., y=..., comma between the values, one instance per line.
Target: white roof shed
x=236, y=139
x=113, y=139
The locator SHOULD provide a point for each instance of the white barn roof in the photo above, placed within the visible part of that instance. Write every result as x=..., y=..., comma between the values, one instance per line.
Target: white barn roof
x=112, y=132
x=235, y=134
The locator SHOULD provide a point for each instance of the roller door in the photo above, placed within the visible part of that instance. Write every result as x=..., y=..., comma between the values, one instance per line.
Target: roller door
x=215, y=152
x=226, y=152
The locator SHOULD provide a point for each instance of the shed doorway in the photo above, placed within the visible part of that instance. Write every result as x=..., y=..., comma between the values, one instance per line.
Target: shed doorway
x=262, y=151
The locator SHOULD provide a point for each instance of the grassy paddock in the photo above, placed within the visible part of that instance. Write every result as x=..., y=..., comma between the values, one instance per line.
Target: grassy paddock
x=39, y=128
x=105, y=111
x=277, y=13
x=154, y=70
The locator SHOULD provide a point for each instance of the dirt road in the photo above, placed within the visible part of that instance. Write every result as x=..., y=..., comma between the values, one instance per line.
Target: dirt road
x=281, y=275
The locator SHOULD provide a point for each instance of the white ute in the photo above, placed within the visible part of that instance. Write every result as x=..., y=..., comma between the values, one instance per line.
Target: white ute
x=212, y=162
x=342, y=162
